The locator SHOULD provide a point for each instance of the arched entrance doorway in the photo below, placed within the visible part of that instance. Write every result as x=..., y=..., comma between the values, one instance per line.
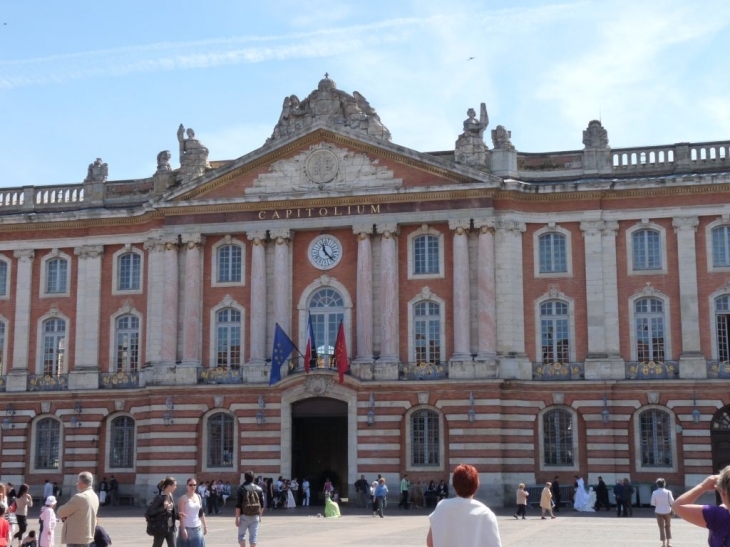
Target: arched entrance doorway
x=319, y=443
x=720, y=439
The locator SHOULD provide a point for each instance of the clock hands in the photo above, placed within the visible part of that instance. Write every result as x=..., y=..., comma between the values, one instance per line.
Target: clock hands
x=324, y=249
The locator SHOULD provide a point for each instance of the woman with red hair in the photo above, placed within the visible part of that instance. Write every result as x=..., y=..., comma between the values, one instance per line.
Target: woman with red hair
x=463, y=521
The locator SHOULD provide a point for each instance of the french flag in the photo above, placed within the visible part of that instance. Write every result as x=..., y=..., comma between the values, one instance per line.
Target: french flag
x=311, y=351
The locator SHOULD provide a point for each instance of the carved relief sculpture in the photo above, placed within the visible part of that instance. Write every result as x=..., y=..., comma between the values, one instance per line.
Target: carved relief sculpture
x=163, y=161
x=332, y=106
x=501, y=138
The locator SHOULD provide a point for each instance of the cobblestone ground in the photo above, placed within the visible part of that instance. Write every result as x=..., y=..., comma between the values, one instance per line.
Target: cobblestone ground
x=301, y=528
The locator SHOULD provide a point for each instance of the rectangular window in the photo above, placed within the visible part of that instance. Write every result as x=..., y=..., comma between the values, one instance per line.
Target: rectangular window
x=3, y=278
x=553, y=254
x=656, y=444
x=56, y=275
x=229, y=264
x=129, y=272
x=426, y=255
x=721, y=246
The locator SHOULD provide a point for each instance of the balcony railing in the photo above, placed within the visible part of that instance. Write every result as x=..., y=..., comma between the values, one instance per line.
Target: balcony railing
x=119, y=380
x=46, y=382
x=548, y=372
x=652, y=370
x=422, y=371
x=220, y=375
x=718, y=369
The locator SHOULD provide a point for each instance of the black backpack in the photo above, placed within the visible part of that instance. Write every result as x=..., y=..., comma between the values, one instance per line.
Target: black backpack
x=251, y=505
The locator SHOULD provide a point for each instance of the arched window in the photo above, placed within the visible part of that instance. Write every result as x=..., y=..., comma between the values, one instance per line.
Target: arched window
x=424, y=438
x=722, y=322
x=3, y=278
x=129, y=272
x=721, y=246
x=427, y=332
x=649, y=317
x=555, y=332
x=327, y=309
x=228, y=338
x=229, y=264
x=647, y=250
x=553, y=254
x=56, y=275
x=127, y=343
x=220, y=440
x=557, y=438
x=47, y=443
x=426, y=255
x=656, y=439
x=121, y=443
x=54, y=346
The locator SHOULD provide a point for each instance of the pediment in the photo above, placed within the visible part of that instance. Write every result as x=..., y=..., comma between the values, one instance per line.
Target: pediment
x=325, y=161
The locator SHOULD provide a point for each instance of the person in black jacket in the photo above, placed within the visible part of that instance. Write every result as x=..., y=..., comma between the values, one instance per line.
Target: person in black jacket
x=161, y=515
x=555, y=489
x=601, y=496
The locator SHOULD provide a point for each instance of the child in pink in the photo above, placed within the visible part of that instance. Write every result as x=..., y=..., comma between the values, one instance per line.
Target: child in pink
x=48, y=517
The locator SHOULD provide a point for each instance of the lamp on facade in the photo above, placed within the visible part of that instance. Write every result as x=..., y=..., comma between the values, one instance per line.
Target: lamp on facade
x=371, y=410
x=167, y=418
x=260, y=418
x=7, y=422
x=605, y=414
x=695, y=411
x=169, y=403
x=471, y=414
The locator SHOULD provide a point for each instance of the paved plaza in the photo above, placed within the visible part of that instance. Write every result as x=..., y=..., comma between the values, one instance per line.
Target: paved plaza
x=301, y=528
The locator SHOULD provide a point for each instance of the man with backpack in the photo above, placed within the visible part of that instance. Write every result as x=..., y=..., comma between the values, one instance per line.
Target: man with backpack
x=249, y=509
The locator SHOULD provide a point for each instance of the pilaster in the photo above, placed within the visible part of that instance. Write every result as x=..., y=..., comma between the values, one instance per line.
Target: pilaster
x=85, y=372
x=461, y=301
x=17, y=377
x=282, y=278
x=485, y=360
x=257, y=353
x=193, y=244
x=362, y=364
x=692, y=363
x=386, y=367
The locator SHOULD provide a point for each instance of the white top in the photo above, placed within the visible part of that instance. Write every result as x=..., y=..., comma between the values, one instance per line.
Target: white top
x=662, y=500
x=462, y=522
x=192, y=508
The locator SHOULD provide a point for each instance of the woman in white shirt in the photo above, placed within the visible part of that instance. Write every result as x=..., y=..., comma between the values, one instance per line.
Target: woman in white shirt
x=192, y=518
x=661, y=500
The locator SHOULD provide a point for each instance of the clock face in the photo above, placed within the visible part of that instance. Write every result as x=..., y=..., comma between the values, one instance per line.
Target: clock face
x=325, y=252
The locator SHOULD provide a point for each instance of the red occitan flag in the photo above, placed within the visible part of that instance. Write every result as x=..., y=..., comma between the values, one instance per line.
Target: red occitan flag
x=341, y=353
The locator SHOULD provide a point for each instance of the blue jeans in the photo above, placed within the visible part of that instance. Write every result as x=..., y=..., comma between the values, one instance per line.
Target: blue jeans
x=195, y=538
x=250, y=524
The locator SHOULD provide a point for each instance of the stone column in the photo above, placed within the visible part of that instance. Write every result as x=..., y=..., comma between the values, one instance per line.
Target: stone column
x=486, y=294
x=601, y=301
x=192, y=301
x=85, y=373
x=170, y=301
x=258, y=312
x=692, y=363
x=462, y=325
x=17, y=377
x=282, y=279
x=513, y=362
x=387, y=366
x=364, y=296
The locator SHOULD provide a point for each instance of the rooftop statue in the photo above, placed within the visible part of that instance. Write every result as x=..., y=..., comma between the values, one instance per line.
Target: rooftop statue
x=470, y=148
x=193, y=155
x=97, y=172
x=163, y=161
x=332, y=106
x=595, y=136
x=501, y=138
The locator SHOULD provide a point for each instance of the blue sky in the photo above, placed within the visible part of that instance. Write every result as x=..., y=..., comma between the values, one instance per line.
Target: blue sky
x=82, y=79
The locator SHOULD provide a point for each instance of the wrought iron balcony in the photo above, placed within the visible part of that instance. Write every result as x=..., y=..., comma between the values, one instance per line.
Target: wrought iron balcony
x=422, y=371
x=220, y=375
x=549, y=372
x=46, y=382
x=718, y=369
x=652, y=370
x=119, y=380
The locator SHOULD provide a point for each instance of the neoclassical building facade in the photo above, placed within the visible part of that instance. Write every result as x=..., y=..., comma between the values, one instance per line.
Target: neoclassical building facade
x=533, y=314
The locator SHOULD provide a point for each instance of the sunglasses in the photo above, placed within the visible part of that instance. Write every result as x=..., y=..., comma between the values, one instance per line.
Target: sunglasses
x=192, y=484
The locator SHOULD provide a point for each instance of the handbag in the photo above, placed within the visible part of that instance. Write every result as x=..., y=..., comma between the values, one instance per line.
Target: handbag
x=13, y=507
x=157, y=526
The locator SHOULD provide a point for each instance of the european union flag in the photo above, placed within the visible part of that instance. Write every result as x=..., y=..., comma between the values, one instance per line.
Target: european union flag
x=283, y=347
